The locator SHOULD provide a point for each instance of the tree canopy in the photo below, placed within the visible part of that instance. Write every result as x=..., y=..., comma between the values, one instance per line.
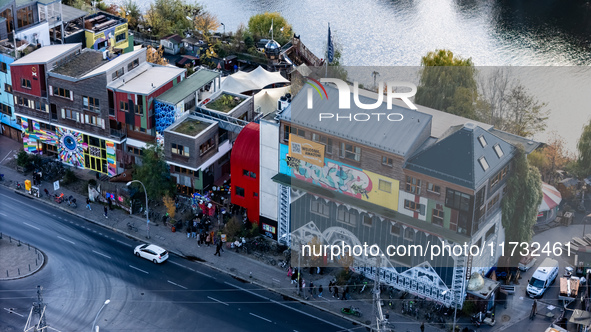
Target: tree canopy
x=448, y=83
x=131, y=12
x=166, y=17
x=154, y=173
x=584, y=149
x=260, y=25
x=521, y=201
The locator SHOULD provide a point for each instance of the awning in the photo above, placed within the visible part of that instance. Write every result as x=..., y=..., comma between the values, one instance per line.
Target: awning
x=552, y=198
x=136, y=143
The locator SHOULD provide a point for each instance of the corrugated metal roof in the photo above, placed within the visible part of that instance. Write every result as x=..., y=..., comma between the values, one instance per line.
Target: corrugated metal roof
x=457, y=157
x=188, y=86
x=399, y=137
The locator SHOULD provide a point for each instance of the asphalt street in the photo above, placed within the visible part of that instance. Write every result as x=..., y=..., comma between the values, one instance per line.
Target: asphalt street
x=87, y=264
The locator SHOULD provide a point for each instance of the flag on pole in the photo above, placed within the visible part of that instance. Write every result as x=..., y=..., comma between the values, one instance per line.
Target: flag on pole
x=330, y=47
x=281, y=29
x=271, y=30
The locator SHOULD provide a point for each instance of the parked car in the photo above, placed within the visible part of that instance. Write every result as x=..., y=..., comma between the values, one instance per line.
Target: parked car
x=151, y=252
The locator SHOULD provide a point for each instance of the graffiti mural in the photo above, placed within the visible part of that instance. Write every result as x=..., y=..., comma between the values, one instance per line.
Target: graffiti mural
x=111, y=161
x=33, y=137
x=71, y=147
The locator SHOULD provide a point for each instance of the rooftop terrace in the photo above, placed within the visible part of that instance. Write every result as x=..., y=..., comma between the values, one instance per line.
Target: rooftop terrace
x=224, y=103
x=191, y=127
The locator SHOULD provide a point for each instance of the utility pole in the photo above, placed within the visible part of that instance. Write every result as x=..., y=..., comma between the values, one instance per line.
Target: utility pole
x=380, y=320
x=39, y=310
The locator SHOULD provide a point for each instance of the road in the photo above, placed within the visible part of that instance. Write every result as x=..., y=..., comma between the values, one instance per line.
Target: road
x=87, y=264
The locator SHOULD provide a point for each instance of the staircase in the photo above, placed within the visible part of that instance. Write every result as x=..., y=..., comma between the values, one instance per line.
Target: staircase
x=284, y=215
x=459, y=283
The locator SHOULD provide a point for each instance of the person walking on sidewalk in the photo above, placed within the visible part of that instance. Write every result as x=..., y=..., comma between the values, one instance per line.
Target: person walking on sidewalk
x=320, y=291
x=330, y=285
x=336, y=292
x=534, y=308
x=110, y=203
x=423, y=327
x=106, y=212
x=217, y=248
x=189, y=229
x=88, y=203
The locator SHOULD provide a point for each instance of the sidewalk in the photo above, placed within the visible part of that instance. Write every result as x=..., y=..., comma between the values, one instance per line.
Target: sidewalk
x=235, y=264
x=18, y=259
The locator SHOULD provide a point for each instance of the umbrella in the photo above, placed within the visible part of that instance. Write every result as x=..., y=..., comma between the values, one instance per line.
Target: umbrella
x=551, y=198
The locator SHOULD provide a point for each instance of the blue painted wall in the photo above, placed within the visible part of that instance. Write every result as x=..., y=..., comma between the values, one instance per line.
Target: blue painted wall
x=6, y=97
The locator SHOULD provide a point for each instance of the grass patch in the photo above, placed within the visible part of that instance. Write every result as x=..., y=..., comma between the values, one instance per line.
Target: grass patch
x=225, y=103
x=191, y=127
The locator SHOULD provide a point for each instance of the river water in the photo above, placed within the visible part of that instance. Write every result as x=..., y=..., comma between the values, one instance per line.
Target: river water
x=492, y=33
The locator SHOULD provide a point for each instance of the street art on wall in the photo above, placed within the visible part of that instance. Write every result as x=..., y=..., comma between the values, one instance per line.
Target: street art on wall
x=34, y=136
x=71, y=147
x=165, y=115
x=111, y=161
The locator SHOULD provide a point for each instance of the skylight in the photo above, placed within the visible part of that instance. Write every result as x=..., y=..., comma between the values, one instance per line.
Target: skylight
x=498, y=150
x=482, y=140
x=483, y=163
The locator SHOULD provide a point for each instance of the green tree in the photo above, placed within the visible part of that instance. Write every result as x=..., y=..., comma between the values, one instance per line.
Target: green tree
x=171, y=16
x=154, y=173
x=584, y=149
x=448, y=83
x=259, y=26
x=520, y=203
x=526, y=115
x=131, y=12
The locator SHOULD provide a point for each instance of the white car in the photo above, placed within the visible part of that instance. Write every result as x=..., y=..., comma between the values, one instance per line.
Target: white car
x=151, y=252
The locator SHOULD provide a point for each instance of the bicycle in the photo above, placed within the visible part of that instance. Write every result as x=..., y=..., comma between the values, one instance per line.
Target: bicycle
x=131, y=227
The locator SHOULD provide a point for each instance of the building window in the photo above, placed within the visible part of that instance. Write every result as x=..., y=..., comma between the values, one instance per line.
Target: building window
x=135, y=151
x=498, y=150
x=248, y=173
x=367, y=220
x=7, y=87
x=117, y=74
x=323, y=140
x=482, y=140
x=5, y=109
x=437, y=217
x=351, y=152
x=483, y=163
x=3, y=67
x=69, y=114
x=93, y=120
x=385, y=186
x=386, y=161
x=22, y=102
x=499, y=176
x=489, y=233
x=395, y=230
x=413, y=206
x=409, y=234
x=319, y=207
x=123, y=106
x=286, y=131
x=346, y=217
x=239, y=191
x=457, y=200
x=413, y=185
x=61, y=92
x=137, y=109
x=133, y=64
x=120, y=37
x=433, y=188
x=493, y=201
x=25, y=83
x=90, y=103
x=180, y=150
x=203, y=148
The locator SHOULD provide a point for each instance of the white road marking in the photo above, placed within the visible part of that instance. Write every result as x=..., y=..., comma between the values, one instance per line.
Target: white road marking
x=135, y=268
x=179, y=264
x=98, y=253
x=13, y=312
x=202, y=273
x=170, y=282
x=218, y=301
x=310, y=315
x=263, y=318
x=35, y=227
x=9, y=152
x=127, y=244
x=59, y=237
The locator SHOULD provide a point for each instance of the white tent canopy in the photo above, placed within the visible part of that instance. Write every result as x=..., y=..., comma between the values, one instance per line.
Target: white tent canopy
x=267, y=99
x=257, y=79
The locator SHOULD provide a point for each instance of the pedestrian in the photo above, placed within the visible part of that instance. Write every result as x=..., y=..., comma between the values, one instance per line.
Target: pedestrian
x=217, y=249
x=303, y=288
x=88, y=203
x=110, y=203
x=320, y=291
x=312, y=289
x=208, y=240
x=289, y=273
x=336, y=291
x=105, y=211
x=534, y=308
x=189, y=229
x=345, y=291
x=294, y=277
x=194, y=231
x=423, y=327
x=330, y=284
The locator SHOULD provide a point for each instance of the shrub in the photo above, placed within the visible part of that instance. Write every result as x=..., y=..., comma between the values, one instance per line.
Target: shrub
x=469, y=308
x=69, y=177
x=343, y=276
x=22, y=159
x=233, y=228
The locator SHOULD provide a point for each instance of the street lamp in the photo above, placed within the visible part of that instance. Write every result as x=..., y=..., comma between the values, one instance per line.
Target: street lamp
x=99, y=312
x=147, y=210
x=224, y=31
x=455, y=308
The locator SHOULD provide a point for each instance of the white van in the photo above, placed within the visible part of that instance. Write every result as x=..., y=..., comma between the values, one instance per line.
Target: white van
x=544, y=276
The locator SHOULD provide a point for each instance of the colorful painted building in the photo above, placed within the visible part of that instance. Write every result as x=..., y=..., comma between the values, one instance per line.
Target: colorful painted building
x=245, y=169
x=104, y=31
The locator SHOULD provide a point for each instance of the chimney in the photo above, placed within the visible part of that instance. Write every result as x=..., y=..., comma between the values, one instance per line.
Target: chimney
x=470, y=126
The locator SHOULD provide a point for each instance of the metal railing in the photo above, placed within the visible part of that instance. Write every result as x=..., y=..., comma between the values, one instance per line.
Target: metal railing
x=118, y=133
